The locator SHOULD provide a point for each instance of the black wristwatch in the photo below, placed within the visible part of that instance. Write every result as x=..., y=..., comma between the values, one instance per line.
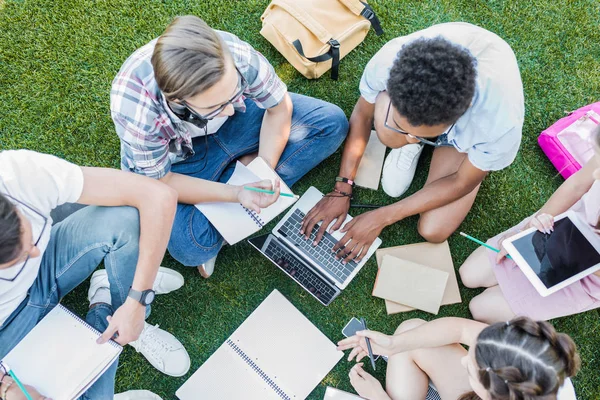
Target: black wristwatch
x=145, y=297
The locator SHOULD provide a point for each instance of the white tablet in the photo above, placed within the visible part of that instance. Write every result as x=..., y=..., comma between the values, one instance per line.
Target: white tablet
x=556, y=260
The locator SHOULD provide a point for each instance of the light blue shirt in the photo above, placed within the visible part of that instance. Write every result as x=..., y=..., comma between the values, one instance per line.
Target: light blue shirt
x=490, y=131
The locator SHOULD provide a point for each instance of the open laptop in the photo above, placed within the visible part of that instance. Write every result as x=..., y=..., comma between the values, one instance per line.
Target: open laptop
x=315, y=268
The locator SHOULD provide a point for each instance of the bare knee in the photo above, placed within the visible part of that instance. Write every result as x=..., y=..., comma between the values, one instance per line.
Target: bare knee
x=409, y=324
x=468, y=278
x=481, y=310
x=433, y=232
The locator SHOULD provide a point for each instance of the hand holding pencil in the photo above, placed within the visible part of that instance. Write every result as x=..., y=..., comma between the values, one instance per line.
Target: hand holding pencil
x=264, y=194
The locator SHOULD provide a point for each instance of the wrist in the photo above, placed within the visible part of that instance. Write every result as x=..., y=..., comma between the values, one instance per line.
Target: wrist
x=133, y=304
x=343, y=187
x=386, y=216
x=234, y=193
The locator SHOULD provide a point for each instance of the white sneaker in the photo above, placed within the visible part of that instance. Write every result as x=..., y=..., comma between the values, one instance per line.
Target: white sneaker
x=207, y=268
x=167, y=280
x=399, y=169
x=137, y=395
x=162, y=350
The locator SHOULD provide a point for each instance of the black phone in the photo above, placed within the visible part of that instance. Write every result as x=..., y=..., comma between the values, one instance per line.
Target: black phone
x=351, y=327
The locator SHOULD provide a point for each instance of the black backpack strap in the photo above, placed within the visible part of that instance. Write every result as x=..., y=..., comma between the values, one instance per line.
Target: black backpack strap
x=333, y=54
x=370, y=15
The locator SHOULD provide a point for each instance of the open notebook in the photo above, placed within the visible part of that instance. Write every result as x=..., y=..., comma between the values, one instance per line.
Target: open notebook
x=60, y=356
x=234, y=221
x=277, y=353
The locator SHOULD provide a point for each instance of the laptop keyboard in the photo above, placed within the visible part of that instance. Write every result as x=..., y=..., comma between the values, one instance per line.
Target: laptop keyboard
x=300, y=273
x=321, y=253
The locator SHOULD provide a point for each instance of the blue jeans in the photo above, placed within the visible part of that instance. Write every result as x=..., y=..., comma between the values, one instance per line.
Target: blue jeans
x=78, y=244
x=318, y=129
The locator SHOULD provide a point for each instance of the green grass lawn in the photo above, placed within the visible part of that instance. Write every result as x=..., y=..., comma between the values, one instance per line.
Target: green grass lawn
x=57, y=61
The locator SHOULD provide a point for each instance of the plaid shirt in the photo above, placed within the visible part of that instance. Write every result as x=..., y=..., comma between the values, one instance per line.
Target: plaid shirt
x=152, y=136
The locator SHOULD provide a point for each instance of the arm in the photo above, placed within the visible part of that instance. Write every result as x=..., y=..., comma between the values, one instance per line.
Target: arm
x=361, y=122
x=436, y=333
x=108, y=187
x=435, y=194
x=336, y=207
x=275, y=131
x=362, y=231
x=571, y=190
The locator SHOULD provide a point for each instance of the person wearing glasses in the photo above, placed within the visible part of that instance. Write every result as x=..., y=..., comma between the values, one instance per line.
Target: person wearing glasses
x=453, y=87
x=192, y=102
x=41, y=259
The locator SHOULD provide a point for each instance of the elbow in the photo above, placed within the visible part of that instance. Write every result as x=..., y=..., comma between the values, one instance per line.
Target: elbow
x=165, y=197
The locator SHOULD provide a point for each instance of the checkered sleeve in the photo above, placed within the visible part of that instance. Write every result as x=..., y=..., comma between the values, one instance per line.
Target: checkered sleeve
x=141, y=153
x=264, y=86
x=142, y=128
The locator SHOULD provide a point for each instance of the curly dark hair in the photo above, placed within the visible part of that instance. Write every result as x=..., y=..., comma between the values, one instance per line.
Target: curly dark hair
x=432, y=81
x=10, y=231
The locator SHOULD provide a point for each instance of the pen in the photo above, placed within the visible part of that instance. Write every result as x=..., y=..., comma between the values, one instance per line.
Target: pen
x=483, y=244
x=294, y=196
x=364, y=324
x=17, y=381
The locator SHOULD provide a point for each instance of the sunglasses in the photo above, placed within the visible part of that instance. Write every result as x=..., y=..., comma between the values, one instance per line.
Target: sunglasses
x=420, y=139
x=43, y=218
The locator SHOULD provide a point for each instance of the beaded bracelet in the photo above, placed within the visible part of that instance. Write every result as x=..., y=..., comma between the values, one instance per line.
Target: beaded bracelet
x=345, y=180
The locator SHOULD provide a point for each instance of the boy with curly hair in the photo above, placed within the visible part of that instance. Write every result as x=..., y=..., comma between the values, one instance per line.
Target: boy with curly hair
x=455, y=87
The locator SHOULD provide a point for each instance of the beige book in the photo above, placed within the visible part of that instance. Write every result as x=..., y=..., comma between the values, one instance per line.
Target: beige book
x=409, y=283
x=433, y=255
x=371, y=164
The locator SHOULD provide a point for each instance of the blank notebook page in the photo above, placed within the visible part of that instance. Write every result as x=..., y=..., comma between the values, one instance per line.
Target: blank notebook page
x=293, y=352
x=277, y=353
x=60, y=357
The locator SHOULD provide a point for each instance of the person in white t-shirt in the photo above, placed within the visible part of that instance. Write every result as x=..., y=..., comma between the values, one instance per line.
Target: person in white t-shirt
x=516, y=359
x=40, y=262
x=455, y=87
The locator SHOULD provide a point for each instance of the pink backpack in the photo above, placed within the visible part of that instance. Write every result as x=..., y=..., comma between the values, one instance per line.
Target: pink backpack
x=567, y=143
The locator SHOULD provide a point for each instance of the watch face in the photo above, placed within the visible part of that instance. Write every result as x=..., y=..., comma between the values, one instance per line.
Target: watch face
x=149, y=297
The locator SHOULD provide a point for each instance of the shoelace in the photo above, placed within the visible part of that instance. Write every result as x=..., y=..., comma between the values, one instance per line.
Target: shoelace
x=153, y=344
x=407, y=156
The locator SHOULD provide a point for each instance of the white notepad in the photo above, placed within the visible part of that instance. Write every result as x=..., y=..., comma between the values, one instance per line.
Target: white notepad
x=234, y=221
x=60, y=356
x=277, y=353
x=336, y=394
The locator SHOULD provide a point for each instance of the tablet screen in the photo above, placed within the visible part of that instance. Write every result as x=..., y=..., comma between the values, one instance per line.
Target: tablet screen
x=558, y=256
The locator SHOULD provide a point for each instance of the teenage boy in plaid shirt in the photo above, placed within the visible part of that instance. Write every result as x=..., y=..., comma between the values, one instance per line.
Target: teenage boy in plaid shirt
x=189, y=104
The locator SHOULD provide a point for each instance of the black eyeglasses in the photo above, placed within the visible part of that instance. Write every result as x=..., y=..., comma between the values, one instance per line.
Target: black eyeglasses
x=420, y=139
x=241, y=88
x=44, y=218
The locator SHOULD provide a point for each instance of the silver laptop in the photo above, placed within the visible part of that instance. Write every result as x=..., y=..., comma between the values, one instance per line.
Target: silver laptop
x=315, y=268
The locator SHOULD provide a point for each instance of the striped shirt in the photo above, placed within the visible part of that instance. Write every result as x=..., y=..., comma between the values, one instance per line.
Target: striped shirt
x=152, y=136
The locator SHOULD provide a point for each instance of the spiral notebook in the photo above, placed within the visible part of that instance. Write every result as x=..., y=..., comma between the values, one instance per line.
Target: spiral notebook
x=234, y=221
x=277, y=353
x=60, y=356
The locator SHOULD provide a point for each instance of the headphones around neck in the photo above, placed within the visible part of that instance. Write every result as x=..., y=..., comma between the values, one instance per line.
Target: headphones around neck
x=185, y=114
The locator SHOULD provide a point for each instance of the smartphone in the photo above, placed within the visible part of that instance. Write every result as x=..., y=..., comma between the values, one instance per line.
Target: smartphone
x=351, y=327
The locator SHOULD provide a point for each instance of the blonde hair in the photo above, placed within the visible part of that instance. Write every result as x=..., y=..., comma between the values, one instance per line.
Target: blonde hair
x=189, y=58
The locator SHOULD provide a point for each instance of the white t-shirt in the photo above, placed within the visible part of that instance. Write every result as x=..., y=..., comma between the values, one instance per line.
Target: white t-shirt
x=42, y=182
x=566, y=391
x=490, y=130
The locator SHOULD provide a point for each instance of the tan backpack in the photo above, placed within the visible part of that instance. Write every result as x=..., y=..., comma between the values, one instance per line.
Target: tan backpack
x=314, y=35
